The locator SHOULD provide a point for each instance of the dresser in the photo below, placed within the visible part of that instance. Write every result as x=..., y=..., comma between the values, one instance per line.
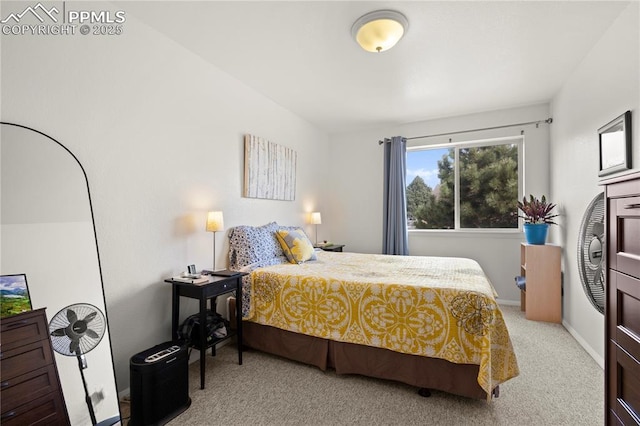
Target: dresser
x=30, y=387
x=622, y=305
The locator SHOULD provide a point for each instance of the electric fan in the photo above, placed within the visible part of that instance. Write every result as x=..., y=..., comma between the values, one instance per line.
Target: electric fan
x=591, y=252
x=76, y=330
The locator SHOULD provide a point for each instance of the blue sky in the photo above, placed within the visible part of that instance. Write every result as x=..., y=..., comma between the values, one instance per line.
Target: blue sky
x=425, y=164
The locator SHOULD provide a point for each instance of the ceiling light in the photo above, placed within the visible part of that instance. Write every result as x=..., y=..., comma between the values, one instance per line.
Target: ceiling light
x=380, y=30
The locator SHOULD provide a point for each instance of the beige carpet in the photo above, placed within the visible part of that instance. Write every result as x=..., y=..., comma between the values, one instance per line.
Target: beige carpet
x=559, y=384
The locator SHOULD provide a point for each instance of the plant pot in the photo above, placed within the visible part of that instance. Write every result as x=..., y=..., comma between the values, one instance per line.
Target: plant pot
x=536, y=233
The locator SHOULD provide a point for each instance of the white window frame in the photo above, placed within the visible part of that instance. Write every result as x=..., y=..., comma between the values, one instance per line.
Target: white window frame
x=517, y=140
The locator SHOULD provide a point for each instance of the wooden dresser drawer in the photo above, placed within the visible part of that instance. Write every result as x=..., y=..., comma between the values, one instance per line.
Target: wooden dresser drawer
x=34, y=384
x=46, y=410
x=625, y=328
x=627, y=402
x=626, y=251
x=18, y=361
x=22, y=329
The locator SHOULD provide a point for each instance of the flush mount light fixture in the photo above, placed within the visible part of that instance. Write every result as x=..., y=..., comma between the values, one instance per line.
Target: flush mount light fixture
x=379, y=30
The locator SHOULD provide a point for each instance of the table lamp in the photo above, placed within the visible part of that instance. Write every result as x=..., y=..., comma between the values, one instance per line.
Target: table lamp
x=316, y=219
x=215, y=223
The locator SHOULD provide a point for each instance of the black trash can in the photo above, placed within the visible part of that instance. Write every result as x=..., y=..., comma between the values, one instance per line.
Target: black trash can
x=159, y=384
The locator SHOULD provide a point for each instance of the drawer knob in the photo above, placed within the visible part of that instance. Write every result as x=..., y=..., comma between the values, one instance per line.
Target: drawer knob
x=8, y=415
x=4, y=384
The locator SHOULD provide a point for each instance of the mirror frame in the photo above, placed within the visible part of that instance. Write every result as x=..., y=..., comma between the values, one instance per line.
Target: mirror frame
x=95, y=239
x=620, y=129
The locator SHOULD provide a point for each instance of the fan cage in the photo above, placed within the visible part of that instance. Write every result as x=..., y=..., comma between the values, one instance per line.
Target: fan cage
x=591, y=274
x=61, y=344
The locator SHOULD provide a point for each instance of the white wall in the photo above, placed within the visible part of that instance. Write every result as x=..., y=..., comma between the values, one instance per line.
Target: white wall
x=355, y=212
x=603, y=86
x=160, y=134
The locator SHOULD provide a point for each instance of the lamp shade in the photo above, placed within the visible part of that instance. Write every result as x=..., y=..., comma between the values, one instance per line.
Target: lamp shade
x=380, y=30
x=316, y=219
x=215, y=222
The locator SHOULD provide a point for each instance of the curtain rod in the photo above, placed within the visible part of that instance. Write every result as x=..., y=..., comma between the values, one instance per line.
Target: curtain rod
x=537, y=123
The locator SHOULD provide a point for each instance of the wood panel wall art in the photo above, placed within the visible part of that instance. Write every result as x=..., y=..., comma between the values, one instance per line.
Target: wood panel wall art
x=269, y=170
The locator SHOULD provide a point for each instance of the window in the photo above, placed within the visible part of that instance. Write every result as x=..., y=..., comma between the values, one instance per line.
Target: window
x=473, y=185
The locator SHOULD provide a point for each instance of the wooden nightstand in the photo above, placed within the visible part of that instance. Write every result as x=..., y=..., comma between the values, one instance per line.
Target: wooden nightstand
x=204, y=292
x=332, y=247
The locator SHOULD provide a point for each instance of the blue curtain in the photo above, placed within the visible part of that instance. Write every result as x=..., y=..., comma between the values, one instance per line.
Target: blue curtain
x=395, y=237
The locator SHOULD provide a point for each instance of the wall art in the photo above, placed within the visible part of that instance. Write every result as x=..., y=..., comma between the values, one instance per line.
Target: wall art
x=269, y=170
x=14, y=295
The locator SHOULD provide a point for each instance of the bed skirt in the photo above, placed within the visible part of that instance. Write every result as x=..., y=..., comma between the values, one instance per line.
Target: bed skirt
x=350, y=358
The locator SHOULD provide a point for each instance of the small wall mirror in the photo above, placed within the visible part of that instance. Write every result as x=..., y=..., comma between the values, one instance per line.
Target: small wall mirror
x=615, y=145
x=47, y=233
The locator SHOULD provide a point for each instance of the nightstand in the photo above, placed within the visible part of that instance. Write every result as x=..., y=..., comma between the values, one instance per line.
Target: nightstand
x=204, y=292
x=333, y=247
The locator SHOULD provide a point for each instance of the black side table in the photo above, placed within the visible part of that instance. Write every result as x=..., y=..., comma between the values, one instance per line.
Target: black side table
x=204, y=292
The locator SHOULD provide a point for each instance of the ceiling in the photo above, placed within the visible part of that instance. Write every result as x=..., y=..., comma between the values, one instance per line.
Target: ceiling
x=456, y=57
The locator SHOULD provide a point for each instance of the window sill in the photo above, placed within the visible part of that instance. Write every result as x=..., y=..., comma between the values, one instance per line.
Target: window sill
x=468, y=233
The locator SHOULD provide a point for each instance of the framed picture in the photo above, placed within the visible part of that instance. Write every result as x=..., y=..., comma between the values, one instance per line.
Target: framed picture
x=14, y=295
x=269, y=170
x=615, y=145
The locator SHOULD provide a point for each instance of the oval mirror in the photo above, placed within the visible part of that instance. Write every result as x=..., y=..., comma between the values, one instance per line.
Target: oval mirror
x=47, y=233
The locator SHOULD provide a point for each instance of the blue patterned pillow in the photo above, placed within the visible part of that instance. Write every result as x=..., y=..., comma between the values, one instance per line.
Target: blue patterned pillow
x=252, y=245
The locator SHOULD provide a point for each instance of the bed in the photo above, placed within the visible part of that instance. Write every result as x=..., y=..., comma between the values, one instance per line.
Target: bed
x=430, y=322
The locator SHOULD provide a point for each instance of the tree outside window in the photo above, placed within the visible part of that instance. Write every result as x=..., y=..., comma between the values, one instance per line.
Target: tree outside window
x=489, y=183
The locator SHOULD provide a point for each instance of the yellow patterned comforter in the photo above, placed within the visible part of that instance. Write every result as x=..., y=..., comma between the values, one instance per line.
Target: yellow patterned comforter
x=431, y=306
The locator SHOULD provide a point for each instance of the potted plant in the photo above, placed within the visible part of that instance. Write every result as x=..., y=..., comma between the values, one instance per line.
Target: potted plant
x=537, y=215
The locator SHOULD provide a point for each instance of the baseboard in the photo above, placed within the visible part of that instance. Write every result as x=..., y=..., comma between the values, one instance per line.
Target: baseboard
x=597, y=358
x=124, y=394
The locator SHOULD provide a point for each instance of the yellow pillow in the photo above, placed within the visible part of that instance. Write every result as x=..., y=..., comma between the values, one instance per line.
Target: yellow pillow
x=296, y=245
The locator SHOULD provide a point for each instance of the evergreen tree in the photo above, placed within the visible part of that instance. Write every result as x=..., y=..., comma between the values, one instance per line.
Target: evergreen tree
x=488, y=190
x=489, y=187
x=439, y=213
x=418, y=195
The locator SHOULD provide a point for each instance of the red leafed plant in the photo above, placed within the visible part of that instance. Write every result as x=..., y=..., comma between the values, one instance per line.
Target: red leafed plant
x=536, y=210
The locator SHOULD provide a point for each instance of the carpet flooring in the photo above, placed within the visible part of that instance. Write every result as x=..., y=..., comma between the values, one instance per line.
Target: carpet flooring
x=559, y=384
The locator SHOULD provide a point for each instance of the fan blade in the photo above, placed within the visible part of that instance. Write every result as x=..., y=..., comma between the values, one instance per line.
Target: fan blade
x=71, y=316
x=598, y=229
x=599, y=277
x=91, y=334
x=59, y=332
x=89, y=317
x=73, y=346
